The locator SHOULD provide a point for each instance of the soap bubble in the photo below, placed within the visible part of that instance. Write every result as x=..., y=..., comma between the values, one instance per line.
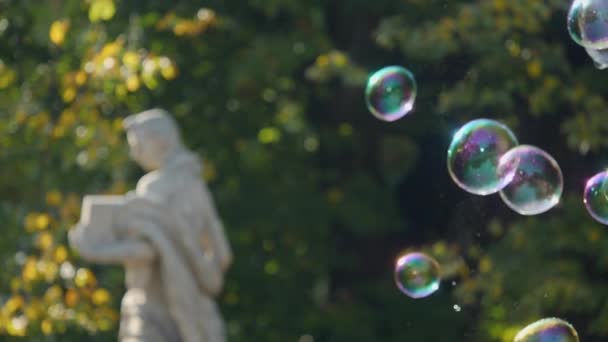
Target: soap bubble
x=548, y=330
x=588, y=26
x=390, y=93
x=474, y=153
x=417, y=275
x=596, y=197
x=588, y=23
x=535, y=181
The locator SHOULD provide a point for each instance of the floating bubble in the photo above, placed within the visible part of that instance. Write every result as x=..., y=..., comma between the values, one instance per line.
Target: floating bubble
x=588, y=26
x=596, y=197
x=390, y=93
x=417, y=275
x=474, y=153
x=535, y=181
x=548, y=330
x=588, y=23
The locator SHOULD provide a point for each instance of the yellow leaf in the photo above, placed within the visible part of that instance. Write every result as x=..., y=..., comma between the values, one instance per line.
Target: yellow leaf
x=101, y=10
x=101, y=296
x=80, y=77
x=61, y=254
x=131, y=59
x=46, y=326
x=12, y=305
x=45, y=241
x=58, y=30
x=269, y=135
x=42, y=221
x=30, y=271
x=53, y=294
x=84, y=277
x=133, y=83
x=322, y=61
x=71, y=298
x=69, y=94
x=169, y=72
x=17, y=326
x=535, y=68
x=53, y=198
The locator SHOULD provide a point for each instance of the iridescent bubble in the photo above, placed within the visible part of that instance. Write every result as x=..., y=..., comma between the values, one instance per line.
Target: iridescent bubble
x=588, y=23
x=596, y=197
x=535, y=181
x=417, y=275
x=548, y=330
x=474, y=153
x=588, y=26
x=390, y=93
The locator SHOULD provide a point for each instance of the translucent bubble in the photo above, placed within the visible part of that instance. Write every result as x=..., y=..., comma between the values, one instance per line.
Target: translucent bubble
x=474, y=153
x=548, y=330
x=417, y=275
x=390, y=93
x=596, y=197
x=535, y=181
x=600, y=58
x=588, y=26
x=588, y=23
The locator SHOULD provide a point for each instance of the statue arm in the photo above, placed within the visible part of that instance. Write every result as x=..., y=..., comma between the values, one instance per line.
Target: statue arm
x=115, y=252
x=221, y=246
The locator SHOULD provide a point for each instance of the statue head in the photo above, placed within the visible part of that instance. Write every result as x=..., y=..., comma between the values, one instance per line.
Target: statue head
x=153, y=136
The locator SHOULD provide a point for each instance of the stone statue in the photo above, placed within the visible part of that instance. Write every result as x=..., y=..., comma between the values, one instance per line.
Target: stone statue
x=167, y=235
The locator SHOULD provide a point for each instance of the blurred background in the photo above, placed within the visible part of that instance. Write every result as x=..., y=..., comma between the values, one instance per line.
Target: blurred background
x=318, y=197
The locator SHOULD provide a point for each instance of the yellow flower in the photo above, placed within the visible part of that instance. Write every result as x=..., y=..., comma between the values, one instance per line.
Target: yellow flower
x=58, y=31
x=42, y=221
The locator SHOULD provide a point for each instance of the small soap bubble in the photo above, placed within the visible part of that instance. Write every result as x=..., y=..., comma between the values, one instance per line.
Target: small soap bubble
x=457, y=308
x=588, y=27
x=390, y=93
x=417, y=275
x=595, y=197
x=474, y=153
x=535, y=181
x=548, y=330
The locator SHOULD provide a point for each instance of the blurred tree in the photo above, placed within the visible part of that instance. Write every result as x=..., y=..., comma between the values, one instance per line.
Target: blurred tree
x=318, y=197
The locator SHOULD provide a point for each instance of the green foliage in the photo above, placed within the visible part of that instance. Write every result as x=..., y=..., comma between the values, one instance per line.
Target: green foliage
x=318, y=197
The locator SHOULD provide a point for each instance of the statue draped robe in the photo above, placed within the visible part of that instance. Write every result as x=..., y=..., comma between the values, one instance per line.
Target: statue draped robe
x=171, y=242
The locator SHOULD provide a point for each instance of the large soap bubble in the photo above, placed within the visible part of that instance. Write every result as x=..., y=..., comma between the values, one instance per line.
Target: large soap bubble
x=588, y=26
x=548, y=330
x=474, y=153
x=535, y=181
x=595, y=197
